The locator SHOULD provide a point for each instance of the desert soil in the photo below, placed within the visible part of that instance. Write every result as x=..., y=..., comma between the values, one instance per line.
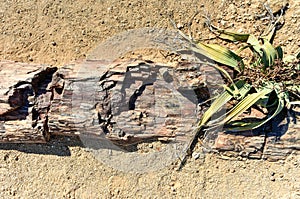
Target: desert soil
x=58, y=32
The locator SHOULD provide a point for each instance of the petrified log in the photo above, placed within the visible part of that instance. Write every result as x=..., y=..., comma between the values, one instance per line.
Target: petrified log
x=120, y=100
x=128, y=102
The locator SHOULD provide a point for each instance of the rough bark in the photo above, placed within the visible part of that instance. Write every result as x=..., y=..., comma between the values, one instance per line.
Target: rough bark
x=127, y=102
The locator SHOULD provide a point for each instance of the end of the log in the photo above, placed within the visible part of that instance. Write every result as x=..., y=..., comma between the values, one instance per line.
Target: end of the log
x=25, y=101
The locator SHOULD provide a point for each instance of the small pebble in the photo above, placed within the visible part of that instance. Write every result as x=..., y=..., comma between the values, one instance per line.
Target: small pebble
x=281, y=175
x=272, y=178
x=195, y=155
x=272, y=173
x=179, y=26
x=223, y=23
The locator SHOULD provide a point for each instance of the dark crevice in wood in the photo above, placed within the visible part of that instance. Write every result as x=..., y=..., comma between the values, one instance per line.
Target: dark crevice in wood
x=136, y=94
x=41, y=80
x=18, y=102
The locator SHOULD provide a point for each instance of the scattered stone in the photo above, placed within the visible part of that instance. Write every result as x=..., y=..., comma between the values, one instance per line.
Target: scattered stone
x=272, y=173
x=196, y=155
x=223, y=23
x=179, y=25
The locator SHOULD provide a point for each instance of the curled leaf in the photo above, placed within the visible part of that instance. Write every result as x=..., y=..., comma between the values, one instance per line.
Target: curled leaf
x=221, y=55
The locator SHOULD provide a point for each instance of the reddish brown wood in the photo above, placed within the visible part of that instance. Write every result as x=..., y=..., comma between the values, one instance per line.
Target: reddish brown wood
x=24, y=102
x=274, y=142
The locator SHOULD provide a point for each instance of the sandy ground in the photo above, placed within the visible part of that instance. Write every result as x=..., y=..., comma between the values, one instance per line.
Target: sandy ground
x=58, y=32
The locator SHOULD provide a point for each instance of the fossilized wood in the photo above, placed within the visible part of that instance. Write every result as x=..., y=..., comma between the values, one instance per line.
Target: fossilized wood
x=24, y=102
x=127, y=101
x=273, y=142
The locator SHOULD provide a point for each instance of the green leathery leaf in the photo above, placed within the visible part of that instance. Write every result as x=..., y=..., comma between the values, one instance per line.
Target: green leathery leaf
x=233, y=36
x=244, y=126
x=255, y=44
x=244, y=104
x=222, y=99
x=217, y=104
x=279, y=52
x=230, y=36
x=220, y=54
x=232, y=92
x=244, y=88
x=269, y=54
